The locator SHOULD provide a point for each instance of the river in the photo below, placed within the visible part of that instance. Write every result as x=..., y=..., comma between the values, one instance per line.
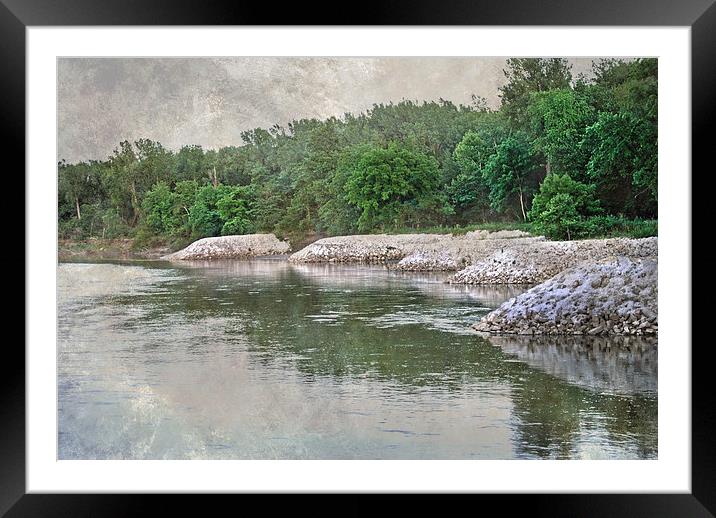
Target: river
x=263, y=359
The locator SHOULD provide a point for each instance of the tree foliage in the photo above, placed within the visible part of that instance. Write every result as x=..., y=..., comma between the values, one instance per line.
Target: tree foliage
x=389, y=183
x=558, y=120
x=562, y=207
x=511, y=172
x=526, y=76
x=396, y=165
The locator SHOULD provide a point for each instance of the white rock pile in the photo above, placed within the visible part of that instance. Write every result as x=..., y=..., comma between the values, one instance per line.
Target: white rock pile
x=432, y=260
x=419, y=251
x=617, y=296
x=538, y=261
x=231, y=247
x=356, y=249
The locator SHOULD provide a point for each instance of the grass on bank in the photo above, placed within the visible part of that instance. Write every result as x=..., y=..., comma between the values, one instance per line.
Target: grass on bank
x=597, y=227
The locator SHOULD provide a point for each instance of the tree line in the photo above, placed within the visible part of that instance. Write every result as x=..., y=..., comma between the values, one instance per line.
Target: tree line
x=568, y=157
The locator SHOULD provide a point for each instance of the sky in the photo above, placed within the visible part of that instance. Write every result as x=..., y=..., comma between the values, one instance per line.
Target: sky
x=210, y=101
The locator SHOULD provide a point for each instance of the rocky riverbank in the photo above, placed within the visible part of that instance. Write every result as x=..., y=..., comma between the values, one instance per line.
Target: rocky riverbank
x=590, y=287
x=411, y=252
x=538, y=261
x=231, y=247
x=617, y=296
x=480, y=257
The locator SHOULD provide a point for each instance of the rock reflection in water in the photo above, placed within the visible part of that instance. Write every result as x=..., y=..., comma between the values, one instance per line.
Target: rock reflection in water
x=613, y=365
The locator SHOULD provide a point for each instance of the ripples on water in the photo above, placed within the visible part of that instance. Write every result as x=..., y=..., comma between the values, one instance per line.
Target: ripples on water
x=264, y=359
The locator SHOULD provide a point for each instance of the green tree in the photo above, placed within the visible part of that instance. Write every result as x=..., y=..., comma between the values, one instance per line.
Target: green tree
x=158, y=209
x=313, y=168
x=511, y=171
x=562, y=205
x=131, y=172
x=184, y=198
x=558, y=120
x=166, y=212
x=78, y=184
x=404, y=164
x=190, y=163
x=621, y=144
x=204, y=218
x=384, y=180
x=231, y=165
x=233, y=205
x=527, y=75
x=469, y=190
x=632, y=86
x=220, y=210
x=623, y=161
x=559, y=218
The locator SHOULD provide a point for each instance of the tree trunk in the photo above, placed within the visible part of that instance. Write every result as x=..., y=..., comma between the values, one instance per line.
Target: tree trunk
x=135, y=204
x=522, y=206
x=548, y=167
x=77, y=206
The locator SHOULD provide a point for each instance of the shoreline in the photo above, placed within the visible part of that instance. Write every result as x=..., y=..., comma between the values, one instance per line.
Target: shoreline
x=475, y=258
x=108, y=249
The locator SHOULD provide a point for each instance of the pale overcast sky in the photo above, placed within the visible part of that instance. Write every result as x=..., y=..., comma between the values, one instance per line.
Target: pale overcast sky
x=210, y=101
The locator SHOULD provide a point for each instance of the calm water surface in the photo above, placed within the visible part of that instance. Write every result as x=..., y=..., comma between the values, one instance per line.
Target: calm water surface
x=264, y=359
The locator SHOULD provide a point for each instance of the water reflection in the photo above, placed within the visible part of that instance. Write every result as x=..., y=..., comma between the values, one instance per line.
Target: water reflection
x=265, y=359
x=574, y=423
x=616, y=365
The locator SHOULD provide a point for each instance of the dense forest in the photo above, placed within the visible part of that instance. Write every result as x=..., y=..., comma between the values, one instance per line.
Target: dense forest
x=566, y=157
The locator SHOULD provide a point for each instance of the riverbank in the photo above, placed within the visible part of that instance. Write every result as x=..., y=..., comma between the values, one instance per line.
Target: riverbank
x=412, y=252
x=123, y=249
x=618, y=296
x=539, y=261
x=231, y=247
x=606, y=286
x=479, y=257
x=594, y=287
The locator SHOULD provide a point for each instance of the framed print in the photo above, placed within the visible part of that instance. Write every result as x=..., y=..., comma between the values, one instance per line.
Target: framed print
x=425, y=253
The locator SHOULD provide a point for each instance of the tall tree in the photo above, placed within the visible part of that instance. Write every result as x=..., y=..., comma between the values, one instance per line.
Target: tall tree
x=558, y=120
x=511, y=171
x=622, y=142
x=191, y=164
x=77, y=183
x=528, y=75
x=384, y=180
x=469, y=189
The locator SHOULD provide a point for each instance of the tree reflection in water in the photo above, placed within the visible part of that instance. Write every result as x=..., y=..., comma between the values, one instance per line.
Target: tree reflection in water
x=405, y=338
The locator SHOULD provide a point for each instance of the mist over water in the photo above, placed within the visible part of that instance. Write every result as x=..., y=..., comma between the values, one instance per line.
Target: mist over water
x=263, y=359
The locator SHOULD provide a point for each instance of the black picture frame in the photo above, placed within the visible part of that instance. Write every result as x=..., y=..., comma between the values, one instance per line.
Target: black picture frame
x=699, y=15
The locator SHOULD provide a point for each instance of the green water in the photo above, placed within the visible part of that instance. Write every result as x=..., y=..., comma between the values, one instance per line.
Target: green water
x=264, y=359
